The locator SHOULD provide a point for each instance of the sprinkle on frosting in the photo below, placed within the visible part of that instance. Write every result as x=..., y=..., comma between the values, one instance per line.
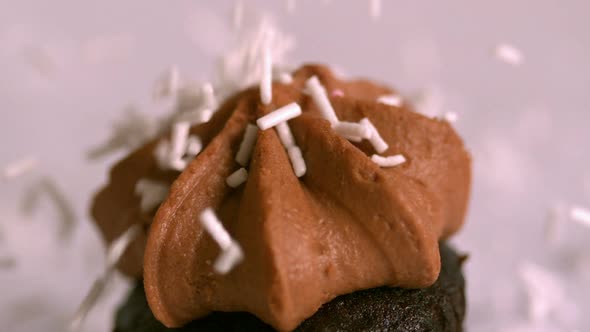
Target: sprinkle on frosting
x=391, y=100
x=376, y=140
x=390, y=161
x=152, y=193
x=320, y=98
x=509, y=54
x=237, y=178
x=231, y=251
x=285, y=134
x=353, y=131
x=277, y=116
x=20, y=167
x=266, y=79
x=581, y=215
x=297, y=161
x=247, y=145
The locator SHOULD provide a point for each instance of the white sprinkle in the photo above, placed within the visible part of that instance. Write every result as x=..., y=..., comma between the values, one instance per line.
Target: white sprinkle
x=291, y=6
x=196, y=116
x=390, y=161
x=168, y=84
x=580, y=215
x=320, y=98
x=391, y=100
x=375, y=8
x=120, y=244
x=338, y=93
x=353, y=130
x=152, y=193
x=509, y=54
x=277, y=116
x=247, y=145
x=297, y=161
x=180, y=132
x=285, y=134
x=209, y=96
x=450, y=117
x=228, y=259
x=194, y=145
x=161, y=153
x=89, y=302
x=266, y=79
x=215, y=228
x=285, y=78
x=232, y=253
x=376, y=140
x=237, y=178
x=238, y=14
x=20, y=167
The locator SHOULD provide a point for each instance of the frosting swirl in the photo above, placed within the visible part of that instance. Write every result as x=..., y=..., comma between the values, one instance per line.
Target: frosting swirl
x=346, y=225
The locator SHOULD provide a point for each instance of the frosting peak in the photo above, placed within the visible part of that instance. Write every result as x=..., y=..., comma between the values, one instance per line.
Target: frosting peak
x=346, y=225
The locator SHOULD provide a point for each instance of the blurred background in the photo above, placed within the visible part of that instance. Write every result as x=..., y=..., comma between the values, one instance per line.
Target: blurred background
x=516, y=74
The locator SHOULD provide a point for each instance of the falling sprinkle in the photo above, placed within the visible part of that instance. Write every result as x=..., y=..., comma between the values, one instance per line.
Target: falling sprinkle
x=152, y=193
x=238, y=14
x=49, y=188
x=247, y=145
x=285, y=134
x=297, y=161
x=291, y=4
x=320, y=98
x=390, y=161
x=450, y=117
x=89, y=302
x=266, y=79
x=20, y=167
x=375, y=8
x=277, y=116
x=509, y=54
x=391, y=100
x=353, y=131
x=376, y=140
x=168, y=84
x=231, y=252
x=237, y=178
x=580, y=215
x=119, y=245
x=544, y=290
x=178, y=145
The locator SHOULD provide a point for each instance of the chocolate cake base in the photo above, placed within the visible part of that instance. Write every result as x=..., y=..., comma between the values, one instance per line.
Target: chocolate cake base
x=440, y=307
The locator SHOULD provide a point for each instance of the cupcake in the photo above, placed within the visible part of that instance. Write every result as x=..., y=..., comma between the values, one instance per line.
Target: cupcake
x=310, y=204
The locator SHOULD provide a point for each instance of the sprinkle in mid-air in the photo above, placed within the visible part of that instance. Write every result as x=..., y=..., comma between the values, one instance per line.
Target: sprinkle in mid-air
x=277, y=116
x=237, y=178
x=450, y=117
x=247, y=145
x=375, y=8
x=580, y=215
x=20, y=167
x=390, y=161
x=231, y=252
x=509, y=54
x=266, y=79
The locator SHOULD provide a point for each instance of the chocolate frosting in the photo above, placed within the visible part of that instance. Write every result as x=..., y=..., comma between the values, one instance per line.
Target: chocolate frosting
x=346, y=225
